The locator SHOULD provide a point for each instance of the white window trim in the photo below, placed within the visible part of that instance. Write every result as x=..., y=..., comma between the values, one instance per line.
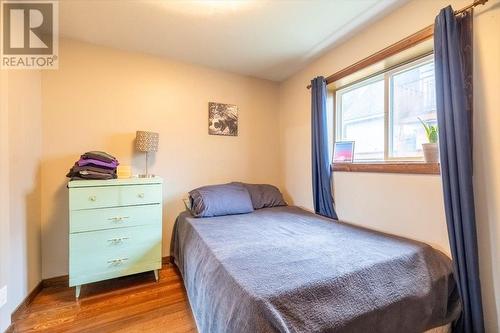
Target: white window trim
x=337, y=118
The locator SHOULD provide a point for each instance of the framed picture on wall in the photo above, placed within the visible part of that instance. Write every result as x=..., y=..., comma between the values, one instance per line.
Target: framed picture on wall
x=343, y=152
x=222, y=119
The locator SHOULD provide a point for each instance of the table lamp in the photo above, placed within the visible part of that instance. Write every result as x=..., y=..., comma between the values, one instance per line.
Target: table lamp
x=146, y=142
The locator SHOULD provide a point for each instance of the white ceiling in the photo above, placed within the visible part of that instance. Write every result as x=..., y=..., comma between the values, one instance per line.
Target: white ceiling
x=267, y=39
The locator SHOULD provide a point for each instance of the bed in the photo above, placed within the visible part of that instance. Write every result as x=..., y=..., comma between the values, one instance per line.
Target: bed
x=284, y=269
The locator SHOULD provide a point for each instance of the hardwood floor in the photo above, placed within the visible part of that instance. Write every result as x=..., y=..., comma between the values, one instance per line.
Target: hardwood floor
x=135, y=303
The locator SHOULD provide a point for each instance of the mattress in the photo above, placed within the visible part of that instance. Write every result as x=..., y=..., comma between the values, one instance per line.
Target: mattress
x=284, y=269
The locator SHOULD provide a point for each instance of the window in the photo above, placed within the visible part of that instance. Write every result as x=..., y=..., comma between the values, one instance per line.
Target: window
x=381, y=114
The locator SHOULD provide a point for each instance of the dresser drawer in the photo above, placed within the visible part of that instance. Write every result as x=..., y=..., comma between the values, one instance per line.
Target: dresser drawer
x=118, y=271
x=114, y=196
x=141, y=194
x=113, y=251
x=119, y=217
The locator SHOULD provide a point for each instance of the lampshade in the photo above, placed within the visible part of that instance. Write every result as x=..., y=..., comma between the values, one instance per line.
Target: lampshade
x=146, y=141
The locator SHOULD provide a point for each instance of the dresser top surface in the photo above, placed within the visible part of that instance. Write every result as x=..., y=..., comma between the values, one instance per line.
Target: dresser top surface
x=115, y=182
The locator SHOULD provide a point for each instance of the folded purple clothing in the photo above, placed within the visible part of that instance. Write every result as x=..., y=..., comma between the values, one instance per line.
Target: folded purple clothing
x=88, y=161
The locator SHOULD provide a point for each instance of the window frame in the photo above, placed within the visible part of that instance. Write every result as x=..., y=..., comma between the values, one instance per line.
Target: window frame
x=388, y=110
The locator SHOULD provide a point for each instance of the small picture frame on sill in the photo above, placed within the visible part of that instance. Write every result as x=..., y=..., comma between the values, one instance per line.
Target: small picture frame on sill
x=343, y=152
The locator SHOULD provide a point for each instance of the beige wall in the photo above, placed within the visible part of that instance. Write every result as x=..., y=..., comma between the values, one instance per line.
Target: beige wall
x=25, y=136
x=20, y=154
x=487, y=154
x=99, y=97
x=408, y=205
x=4, y=195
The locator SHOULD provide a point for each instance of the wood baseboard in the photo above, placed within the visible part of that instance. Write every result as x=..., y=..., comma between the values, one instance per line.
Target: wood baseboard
x=167, y=260
x=27, y=300
x=55, y=281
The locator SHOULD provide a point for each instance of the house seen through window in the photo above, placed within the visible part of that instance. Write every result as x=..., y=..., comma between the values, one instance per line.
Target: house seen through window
x=383, y=113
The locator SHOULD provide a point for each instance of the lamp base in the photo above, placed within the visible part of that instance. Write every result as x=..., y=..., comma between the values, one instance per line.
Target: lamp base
x=146, y=176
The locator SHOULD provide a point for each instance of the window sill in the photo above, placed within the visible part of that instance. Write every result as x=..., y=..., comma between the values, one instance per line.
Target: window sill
x=389, y=167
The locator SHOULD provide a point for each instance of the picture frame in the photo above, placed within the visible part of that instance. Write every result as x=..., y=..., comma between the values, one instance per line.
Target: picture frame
x=222, y=119
x=343, y=152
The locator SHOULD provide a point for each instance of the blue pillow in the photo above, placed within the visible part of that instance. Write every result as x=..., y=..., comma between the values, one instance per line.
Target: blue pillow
x=264, y=195
x=218, y=200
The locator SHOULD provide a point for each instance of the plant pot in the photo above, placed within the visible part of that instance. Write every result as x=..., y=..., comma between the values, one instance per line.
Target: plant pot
x=431, y=152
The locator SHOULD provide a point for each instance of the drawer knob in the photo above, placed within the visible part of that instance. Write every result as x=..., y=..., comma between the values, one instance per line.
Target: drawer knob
x=118, y=218
x=117, y=261
x=92, y=198
x=117, y=240
x=140, y=195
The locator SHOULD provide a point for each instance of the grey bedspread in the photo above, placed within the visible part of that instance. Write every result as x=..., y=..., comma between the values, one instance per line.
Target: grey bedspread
x=284, y=269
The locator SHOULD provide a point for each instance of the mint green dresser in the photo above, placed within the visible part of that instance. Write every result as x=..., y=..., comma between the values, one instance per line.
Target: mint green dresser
x=115, y=228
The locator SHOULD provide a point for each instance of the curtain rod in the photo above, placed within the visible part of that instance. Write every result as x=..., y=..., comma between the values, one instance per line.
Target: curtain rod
x=472, y=5
x=397, y=47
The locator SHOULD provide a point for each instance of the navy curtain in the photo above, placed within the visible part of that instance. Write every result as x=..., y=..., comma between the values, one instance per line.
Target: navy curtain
x=321, y=172
x=453, y=60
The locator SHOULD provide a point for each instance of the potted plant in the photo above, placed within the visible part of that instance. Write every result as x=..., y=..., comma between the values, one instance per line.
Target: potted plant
x=431, y=151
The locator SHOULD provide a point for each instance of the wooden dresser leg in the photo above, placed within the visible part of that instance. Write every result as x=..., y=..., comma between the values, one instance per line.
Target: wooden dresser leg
x=77, y=291
x=156, y=275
